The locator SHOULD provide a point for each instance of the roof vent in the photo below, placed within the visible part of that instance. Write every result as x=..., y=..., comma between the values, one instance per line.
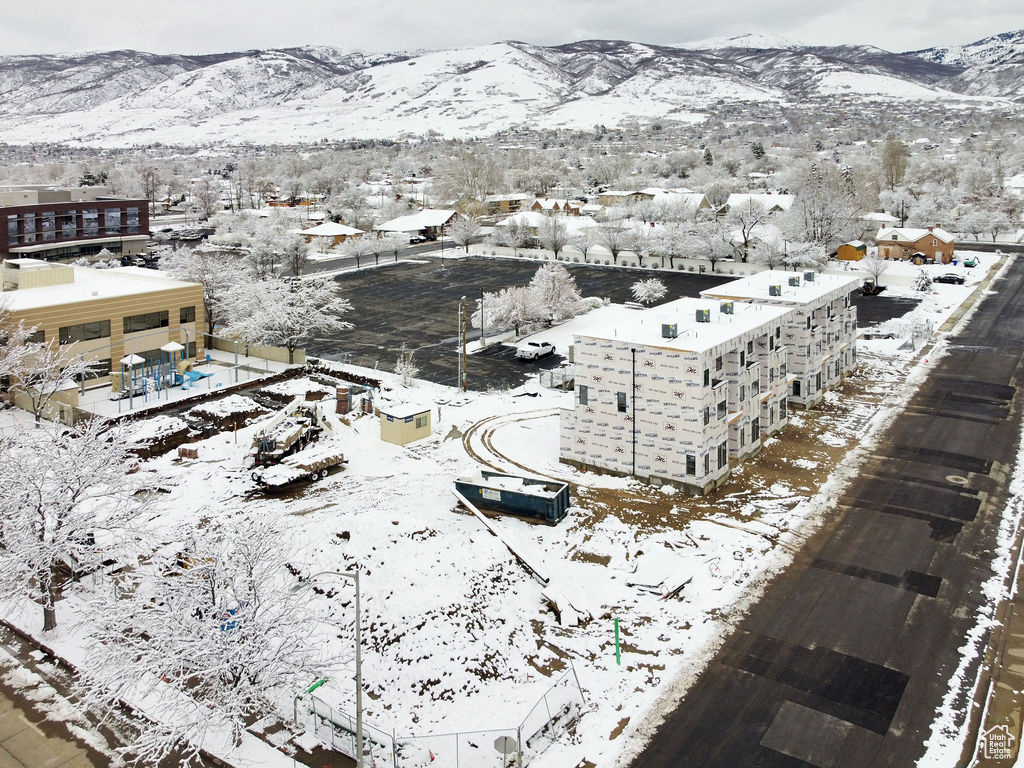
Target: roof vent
x=808, y=277
x=669, y=330
x=795, y=282
x=726, y=308
x=703, y=315
x=774, y=290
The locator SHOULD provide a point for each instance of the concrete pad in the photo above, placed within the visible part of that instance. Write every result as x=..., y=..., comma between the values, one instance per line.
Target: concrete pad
x=807, y=735
x=36, y=749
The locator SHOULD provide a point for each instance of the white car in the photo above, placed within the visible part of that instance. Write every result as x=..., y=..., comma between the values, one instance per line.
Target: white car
x=534, y=350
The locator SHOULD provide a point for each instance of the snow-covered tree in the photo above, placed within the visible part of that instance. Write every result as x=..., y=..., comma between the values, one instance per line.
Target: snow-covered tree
x=358, y=248
x=897, y=202
x=997, y=222
x=513, y=235
x=772, y=254
x=973, y=222
x=206, y=199
x=394, y=243
x=922, y=281
x=648, y=291
x=48, y=368
x=212, y=638
x=710, y=240
x=641, y=241
x=824, y=210
x=555, y=295
x=15, y=342
x=62, y=487
x=613, y=236
x=216, y=272
x=806, y=256
x=554, y=235
x=583, y=241
x=745, y=217
x=670, y=242
x=285, y=312
x=515, y=306
x=464, y=231
x=894, y=162
x=406, y=366
x=873, y=267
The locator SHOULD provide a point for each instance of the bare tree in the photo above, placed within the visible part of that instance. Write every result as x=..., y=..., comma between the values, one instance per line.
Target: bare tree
x=62, y=487
x=358, y=248
x=150, y=180
x=207, y=199
x=514, y=235
x=873, y=267
x=406, y=366
x=894, y=162
x=746, y=217
x=394, y=243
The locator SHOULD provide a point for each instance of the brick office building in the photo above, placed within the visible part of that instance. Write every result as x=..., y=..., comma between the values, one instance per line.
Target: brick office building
x=66, y=224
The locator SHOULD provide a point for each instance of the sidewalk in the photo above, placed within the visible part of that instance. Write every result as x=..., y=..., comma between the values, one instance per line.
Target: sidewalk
x=29, y=739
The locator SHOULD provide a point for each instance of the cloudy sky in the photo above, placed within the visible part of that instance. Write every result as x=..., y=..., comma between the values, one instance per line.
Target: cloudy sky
x=207, y=26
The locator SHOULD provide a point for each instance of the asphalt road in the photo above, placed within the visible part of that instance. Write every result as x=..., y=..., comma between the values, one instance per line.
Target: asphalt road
x=417, y=305
x=846, y=657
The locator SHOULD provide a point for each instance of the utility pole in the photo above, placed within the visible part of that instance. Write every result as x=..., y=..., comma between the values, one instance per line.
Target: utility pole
x=482, y=339
x=463, y=331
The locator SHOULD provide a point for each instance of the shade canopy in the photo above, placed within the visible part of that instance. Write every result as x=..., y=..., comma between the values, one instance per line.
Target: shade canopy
x=172, y=346
x=132, y=360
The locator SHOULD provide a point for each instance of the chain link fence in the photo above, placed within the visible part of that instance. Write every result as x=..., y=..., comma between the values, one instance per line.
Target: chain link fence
x=553, y=713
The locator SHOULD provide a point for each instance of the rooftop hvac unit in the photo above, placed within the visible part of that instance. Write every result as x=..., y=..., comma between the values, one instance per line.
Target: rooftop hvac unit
x=774, y=290
x=669, y=330
x=703, y=315
x=726, y=308
x=808, y=277
x=795, y=282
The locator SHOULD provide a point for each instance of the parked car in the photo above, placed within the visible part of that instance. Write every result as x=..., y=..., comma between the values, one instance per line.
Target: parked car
x=950, y=277
x=971, y=261
x=534, y=350
x=416, y=239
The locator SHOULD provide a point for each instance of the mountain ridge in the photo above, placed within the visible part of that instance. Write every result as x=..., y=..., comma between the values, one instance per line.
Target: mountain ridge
x=309, y=93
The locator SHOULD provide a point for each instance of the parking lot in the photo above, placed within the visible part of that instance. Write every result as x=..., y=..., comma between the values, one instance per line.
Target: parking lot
x=417, y=305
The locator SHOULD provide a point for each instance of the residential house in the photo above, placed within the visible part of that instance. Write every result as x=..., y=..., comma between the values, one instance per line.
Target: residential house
x=675, y=392
x=551, y=206
x=430, y=222
x=928, y=245
x=774, y=203
x=619, y=197
x=330, y=233
x=820, y=331
x=510, y=203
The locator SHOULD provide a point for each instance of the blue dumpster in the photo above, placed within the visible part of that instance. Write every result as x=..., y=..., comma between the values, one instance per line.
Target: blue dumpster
x=517, y=494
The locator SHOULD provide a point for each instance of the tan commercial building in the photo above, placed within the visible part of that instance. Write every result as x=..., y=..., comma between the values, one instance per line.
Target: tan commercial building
x=105, y=314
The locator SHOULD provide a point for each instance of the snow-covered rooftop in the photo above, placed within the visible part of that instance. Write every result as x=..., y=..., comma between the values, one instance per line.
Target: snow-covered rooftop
x=783, y=202
x=414, y=222
x=645, y=327
x=94, y=285
x=403, y=410
x=509, y=197
x=880, y=217
x=912, y=234
x=331, y=229
x=756, y=287
x=536, y=219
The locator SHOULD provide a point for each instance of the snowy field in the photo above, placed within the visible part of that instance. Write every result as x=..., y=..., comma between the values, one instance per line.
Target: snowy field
x=457, y=635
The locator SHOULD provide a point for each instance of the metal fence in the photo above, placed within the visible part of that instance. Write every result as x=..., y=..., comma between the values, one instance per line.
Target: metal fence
x=552, y=714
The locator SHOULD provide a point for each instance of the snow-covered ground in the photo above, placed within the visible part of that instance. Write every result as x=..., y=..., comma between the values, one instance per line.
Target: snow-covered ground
x=457, y=636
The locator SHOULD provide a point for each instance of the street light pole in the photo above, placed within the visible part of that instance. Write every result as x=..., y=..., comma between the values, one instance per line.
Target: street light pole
x=353, y=576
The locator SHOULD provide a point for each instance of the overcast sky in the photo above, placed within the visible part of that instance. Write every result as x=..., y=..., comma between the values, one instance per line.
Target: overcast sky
x=209, y=26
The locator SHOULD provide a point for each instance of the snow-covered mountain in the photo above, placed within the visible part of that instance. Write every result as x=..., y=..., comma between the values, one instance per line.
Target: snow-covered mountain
x=319, y=92
x=991, y=67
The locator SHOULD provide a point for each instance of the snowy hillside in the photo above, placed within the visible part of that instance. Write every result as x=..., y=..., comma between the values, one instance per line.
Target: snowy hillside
x=993, y=66
x=318, y=92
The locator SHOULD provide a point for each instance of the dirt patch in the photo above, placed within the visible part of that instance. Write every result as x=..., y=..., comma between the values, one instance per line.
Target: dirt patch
x=617, y=730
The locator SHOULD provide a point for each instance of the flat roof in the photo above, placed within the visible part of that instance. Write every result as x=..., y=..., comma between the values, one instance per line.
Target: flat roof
x=93, y=285
x=755, y=287
x=644, y=327
x=402, y=410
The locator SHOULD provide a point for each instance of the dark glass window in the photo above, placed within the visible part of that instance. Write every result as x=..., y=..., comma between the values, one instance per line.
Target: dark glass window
x=187, y=315
x=100, y=329
x=146, y=322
